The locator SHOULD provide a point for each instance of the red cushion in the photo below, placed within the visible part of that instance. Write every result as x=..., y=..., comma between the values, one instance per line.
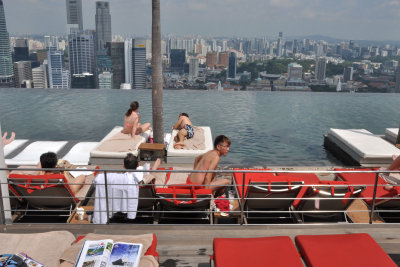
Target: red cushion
x=350, y=250
x=152, y=249
x=183, y=191
x=250, y=176
x=263, y=251
x=369, y=180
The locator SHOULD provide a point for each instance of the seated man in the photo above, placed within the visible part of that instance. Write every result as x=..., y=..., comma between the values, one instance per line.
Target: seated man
x=209, y=161
x=131, y=162
x=49, y=161
x=185, y=127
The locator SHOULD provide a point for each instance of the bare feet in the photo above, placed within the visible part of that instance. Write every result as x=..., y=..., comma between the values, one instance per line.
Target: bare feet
x=179, y=145
x=7, y=141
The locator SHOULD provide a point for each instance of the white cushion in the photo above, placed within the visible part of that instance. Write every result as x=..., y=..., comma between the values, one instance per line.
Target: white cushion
x=172, y=152
x=80, y=153
x=391, y=134
x=14, y=145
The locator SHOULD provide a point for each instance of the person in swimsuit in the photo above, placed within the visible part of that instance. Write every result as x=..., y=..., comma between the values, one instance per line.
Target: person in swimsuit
x=209, y=161
x=185, y=127
x=132, y=125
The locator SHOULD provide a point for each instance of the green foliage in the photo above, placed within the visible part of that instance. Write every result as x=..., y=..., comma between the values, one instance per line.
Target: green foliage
x=336, y=69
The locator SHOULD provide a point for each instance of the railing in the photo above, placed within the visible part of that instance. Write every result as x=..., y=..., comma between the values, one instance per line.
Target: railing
x=8, y=213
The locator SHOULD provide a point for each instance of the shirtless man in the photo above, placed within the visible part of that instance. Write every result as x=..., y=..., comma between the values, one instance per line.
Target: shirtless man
x=209, y=161
x=185, y=127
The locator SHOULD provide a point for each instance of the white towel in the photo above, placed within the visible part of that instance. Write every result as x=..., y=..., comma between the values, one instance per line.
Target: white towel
x=123, y=194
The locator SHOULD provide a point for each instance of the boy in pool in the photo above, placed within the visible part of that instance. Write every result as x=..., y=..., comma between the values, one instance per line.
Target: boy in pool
x=185, y=127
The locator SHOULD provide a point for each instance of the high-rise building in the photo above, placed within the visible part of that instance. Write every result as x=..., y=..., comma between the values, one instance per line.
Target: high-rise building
x=223, y=59
x=295, y=72
x=116, y=52
x=128, y=61
x=58, y=75
x=139, y=64
x=22, y=71
x=106, y=80
x=81, y=52
x=83, y=81
x=211, y=59
x=280, y=44
x=74, y=15
x=232, y=65
x=397, y=88
x=348, y=74
x=193, y=68
x=320, y=69
x=21, y=50
x=177, y=58
x=103, y=24
x=6, y=65
x=39, y=77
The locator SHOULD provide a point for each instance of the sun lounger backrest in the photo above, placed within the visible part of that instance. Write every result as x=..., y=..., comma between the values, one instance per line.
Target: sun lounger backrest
x=330, y=195
x=238, y=178
x=185, y=198
x=146, y=196
x=272, y=195
x=43, y=191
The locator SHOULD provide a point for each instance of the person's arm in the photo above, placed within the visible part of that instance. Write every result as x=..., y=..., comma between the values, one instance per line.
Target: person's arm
x=134, y=126
x=197, y=160
x=176, y=126
x=210, y=175
x=395, y=164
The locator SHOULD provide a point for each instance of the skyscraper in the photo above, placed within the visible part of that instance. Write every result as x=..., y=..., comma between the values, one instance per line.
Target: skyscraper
x=81, y=52
x=280, y=44
x=103, y=24
x=295, y=72
x=22, y=72
x=6, y=65
x=116, y=52
x=211, y=59
x=177, y=58
x=39, y=77
x=128, y=61
x=139, y=64
x=348, y=74
x=21, y=50
x=74, y=15
x=320, y=69
x=58, y=75
x=397, y=88
x=193, y=68
x=232, y=65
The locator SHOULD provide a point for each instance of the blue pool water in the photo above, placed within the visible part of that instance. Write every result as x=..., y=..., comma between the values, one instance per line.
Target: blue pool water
x=266, y=128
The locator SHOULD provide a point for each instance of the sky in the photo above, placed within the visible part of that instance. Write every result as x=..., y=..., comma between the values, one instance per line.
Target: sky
x=343, y=19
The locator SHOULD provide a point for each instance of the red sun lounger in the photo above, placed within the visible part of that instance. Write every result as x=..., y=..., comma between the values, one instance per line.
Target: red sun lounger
x=277, y=251
x=345, y=250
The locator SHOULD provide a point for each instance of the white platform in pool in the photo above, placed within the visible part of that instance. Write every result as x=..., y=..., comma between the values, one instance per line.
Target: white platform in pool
x=391, y=134
x=363, y=146
x=80, y=153
x=185, y=155
x=31, y=154
x=100, y=157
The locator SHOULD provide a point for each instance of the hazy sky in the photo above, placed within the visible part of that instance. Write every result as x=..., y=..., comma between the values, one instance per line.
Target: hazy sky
x=347, y=19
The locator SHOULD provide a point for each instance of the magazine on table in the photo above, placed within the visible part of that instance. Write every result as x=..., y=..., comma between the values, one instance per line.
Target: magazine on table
x=106, y=253
x=19, y=259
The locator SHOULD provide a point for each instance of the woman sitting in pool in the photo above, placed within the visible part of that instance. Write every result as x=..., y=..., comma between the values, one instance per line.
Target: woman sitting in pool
x=132, y=125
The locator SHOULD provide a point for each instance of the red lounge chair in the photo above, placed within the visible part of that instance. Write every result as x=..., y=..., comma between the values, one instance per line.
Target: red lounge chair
x=334, y=196
x=256, y=252
x=347, y=250
x=185, y=199
x=368, y=179
x=238, y=178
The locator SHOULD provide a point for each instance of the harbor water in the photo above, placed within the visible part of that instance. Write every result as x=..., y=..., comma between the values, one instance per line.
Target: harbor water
x=266, y=128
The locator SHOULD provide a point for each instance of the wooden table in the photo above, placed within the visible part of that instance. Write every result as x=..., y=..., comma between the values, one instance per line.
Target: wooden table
x=229, y=214
x=74, y=217
x=151, y=151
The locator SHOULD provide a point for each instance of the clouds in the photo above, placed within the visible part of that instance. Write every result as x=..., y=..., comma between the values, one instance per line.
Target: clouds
x=349, y=19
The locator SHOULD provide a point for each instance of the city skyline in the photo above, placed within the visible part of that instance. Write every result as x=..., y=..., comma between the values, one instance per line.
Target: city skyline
x=343, y=19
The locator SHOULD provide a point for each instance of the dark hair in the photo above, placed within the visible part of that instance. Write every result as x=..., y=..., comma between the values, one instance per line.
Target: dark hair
x=184, y=114
x=48, y=160
x=221, y=139
x=131, y=162
x=134, y=106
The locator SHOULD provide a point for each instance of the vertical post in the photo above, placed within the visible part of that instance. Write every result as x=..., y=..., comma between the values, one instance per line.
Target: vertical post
x=242, y=206
x=107, y=207
x=373, y=198
x=5, y=206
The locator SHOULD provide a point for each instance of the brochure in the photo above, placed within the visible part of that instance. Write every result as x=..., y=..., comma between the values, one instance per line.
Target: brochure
x=106, y=253
x=19, y=259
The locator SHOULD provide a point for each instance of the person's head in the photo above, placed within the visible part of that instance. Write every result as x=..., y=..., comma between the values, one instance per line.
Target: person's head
x=222, y=144
x=133, y=107
x=184, y=114
x=48, y=160
x=131, y=162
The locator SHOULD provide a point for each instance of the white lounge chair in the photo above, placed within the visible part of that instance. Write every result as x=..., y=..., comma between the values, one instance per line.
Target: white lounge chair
x=114, y=155
x=363, y=146
x=185, y=155
x=80, y=153
x=17, y=143
x=31, y=154
x=391, y=134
